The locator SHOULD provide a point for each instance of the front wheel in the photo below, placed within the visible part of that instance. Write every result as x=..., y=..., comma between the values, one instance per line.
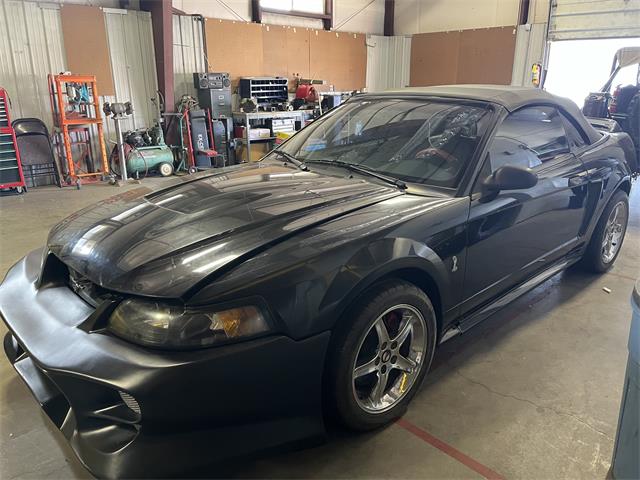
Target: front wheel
x=379, y=358
x=607, y=237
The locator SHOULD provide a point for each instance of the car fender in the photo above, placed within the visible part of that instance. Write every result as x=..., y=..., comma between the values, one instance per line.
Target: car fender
x=381, y=259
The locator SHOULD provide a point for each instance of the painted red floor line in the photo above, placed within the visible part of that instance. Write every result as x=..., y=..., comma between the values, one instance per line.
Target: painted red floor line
x=469, y=462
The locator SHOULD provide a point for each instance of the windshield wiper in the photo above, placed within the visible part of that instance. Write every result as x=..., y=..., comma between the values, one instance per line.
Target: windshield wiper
x=301, y=165
x=363, y=170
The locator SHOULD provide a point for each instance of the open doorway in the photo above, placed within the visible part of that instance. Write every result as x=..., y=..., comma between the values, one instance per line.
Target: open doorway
x=578, y=67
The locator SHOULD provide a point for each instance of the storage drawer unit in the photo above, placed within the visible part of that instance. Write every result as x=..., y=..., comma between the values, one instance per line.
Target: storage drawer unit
x=267, y=91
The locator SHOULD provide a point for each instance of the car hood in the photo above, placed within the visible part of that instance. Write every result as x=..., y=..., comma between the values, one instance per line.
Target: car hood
x=164, y=243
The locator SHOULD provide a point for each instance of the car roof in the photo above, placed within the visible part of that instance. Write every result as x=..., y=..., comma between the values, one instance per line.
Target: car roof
x=508, y=96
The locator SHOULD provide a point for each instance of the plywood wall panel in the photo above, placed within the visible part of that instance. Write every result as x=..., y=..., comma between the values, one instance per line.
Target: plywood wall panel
x=467, y=56
x=234, y=47
x=249, y=49
x=275, y=53
x=86, y=46
x=434, y=58
x=486, y=55
x=338, y=58
x=298, y=53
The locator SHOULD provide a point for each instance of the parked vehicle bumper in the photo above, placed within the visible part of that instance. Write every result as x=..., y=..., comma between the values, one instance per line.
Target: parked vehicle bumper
x=134, y=412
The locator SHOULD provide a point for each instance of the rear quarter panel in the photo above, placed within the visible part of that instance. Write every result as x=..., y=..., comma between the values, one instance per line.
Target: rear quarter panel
x=607, y=165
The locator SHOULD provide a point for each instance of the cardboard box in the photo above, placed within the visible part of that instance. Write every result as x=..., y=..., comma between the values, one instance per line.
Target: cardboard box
x=258, y=150
x=258, y=133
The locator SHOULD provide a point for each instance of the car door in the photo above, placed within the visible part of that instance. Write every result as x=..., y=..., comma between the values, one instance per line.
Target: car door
x=515, y=233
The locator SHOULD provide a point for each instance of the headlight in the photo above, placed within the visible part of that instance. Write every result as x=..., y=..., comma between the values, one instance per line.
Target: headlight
x=159, y=324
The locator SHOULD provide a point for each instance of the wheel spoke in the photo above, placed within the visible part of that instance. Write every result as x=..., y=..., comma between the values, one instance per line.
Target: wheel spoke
x=375, y=389
x=365, y=369
x=405, y=364
x=404, y=331
x=613, y=233
x=378, y=391
x=381, y=330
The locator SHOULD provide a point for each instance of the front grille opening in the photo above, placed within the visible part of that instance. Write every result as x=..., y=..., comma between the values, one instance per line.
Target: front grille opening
x=87, y=290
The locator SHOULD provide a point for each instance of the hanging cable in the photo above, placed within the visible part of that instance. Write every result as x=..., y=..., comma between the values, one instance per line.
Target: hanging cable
x=232, y=11
x=352, y=15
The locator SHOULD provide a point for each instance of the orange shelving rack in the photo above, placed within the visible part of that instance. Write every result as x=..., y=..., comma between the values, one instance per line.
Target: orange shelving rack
x=75, y=105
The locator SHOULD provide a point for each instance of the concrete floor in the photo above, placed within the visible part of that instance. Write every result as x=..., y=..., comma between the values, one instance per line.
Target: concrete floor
x=533, y=392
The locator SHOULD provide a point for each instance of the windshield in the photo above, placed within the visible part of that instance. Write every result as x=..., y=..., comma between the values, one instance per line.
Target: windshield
x=413, y=140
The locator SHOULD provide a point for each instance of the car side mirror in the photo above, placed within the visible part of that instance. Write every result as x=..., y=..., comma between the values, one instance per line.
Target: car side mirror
x=509, y=177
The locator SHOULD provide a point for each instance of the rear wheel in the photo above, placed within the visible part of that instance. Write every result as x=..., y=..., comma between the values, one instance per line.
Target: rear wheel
x=379, y=359
x=607, y=238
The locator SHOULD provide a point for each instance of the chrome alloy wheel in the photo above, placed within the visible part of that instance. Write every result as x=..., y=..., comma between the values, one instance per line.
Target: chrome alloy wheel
x=614, y=231
x=390, y=355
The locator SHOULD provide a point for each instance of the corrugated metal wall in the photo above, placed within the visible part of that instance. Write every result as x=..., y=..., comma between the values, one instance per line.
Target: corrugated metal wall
x=131, y=49
x=188, y=54
x=530, y=49
x=33, y=46
x=388, y=62
x=30, y=47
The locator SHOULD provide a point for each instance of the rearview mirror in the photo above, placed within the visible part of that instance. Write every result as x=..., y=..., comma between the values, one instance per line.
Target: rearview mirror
x=510, y=178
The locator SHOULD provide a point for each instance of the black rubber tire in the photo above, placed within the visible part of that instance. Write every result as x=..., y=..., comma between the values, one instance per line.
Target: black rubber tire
x=592, y=259
x=358, y=319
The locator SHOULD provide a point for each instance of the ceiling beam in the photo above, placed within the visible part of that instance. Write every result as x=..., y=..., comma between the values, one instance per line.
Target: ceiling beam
x=389, y=8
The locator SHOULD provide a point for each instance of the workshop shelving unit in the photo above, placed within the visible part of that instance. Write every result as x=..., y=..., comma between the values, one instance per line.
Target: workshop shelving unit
x=267, y=91
x=11, y=175
x=247, y=118
x=75, y=115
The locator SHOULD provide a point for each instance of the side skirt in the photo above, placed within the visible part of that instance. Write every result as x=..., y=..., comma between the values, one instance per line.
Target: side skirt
x=471, y=320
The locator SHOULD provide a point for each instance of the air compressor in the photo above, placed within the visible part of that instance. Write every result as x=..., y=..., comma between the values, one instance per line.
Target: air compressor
x=144, y=149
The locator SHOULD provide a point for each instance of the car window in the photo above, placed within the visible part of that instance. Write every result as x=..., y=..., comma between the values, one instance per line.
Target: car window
x=414, y=140
x=528, y=138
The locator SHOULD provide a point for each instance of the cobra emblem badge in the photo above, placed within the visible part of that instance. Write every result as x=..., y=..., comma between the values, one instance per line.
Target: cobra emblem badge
x=454, y=266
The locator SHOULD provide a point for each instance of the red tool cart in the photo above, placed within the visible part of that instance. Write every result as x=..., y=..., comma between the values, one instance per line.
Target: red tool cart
x=10, y=167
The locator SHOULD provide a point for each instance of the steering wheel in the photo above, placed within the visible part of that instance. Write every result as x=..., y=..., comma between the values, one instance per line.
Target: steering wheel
x=433, y=151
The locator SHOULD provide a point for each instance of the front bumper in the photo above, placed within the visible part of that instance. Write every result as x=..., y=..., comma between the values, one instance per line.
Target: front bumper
x=134, y=412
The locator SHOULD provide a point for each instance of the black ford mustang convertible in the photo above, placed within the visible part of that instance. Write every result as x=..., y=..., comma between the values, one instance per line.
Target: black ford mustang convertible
x=236, y=310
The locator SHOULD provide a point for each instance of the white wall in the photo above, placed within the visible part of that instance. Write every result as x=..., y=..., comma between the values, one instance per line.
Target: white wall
x=369, y=20
x=422, y=16
x=388, y=62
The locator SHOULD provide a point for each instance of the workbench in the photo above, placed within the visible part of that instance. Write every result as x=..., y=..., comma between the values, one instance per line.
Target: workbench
x=245, y=119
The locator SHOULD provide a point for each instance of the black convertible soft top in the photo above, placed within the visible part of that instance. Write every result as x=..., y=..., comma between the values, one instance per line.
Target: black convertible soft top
x=510, y=97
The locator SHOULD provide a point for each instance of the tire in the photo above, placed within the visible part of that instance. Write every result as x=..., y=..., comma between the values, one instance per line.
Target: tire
x=165, y=169
x=596, y=258
x=356, y=348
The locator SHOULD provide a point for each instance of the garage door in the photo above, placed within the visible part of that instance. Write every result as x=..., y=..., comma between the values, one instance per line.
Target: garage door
x=576, y=19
